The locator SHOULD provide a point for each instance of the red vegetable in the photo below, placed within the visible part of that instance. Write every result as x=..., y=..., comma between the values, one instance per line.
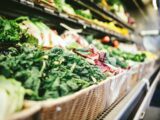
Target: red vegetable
x=104, y=67
x=105, y=39
x=115, y=43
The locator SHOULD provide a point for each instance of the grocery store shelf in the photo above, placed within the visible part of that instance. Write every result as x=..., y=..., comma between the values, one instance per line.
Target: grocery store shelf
x=18, y=8
x=104, y=13
x=128, y=106
x=155, y=73
x=125, y=107
x=141, y=111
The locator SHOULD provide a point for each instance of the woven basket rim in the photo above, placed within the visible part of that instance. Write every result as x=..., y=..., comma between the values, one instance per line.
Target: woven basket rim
x=33, y=108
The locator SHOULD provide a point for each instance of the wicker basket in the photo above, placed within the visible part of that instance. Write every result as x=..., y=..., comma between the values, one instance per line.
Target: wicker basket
x=86, y=104
x=149, y=67
x=133, y=76
x=30, y=112
x=146, y=69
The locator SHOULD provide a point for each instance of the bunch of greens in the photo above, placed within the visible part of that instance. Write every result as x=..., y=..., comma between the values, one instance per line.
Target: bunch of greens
x=138, y=57
x=84, y=13
x=11, y=96
x=49, y=74
x=116, y=61
x=121, y=56
x=61, y=5
x=11, y=33
x=111, y=58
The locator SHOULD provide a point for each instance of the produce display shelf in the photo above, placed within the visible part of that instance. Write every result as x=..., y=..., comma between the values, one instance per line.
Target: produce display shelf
x=146, y=102
x=18, y=8
x=127, y=104
x=95, y=8
x=131, y=102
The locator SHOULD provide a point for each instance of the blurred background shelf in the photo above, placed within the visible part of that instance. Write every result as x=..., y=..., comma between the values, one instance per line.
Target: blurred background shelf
x=18, y=8
x=107, y=15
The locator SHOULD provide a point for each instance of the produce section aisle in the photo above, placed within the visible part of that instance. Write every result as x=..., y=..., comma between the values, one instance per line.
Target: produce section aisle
x=62, y=60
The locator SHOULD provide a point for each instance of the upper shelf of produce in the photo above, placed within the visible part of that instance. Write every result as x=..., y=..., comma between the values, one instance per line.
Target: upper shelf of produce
x=18, y=8
x=104, y=13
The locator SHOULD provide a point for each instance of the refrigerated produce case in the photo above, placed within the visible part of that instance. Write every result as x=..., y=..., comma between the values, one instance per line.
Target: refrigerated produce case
x=134, y=105
x=124, y=94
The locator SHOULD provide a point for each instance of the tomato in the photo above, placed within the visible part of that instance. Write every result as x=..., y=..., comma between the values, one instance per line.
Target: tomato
x=115, y=43
x=105, y=39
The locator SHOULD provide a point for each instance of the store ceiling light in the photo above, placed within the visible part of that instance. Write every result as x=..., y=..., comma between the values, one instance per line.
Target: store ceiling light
x=155, y=6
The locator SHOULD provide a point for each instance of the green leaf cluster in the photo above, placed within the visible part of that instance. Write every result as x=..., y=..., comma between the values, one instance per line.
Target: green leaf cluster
x=11, y=33
x=50, y=74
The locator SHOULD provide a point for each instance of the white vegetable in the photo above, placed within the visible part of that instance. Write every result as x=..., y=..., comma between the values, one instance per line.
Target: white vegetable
x=11, y=97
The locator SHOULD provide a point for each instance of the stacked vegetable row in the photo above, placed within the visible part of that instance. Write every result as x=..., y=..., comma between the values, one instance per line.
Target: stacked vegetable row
x=83, y=14
x=70, y=66
x=116, y=7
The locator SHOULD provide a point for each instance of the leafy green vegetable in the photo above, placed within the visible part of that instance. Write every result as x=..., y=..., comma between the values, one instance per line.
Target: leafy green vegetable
x=138, y=57
x=68, y=9
x=111, y=58
x=116, y=61
x=119, y=58
x=84, y=13
x=59, y=4
x=50, y=74
x=114, y=52
x=28, y=38
x=11, y=33
x=62, y=5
